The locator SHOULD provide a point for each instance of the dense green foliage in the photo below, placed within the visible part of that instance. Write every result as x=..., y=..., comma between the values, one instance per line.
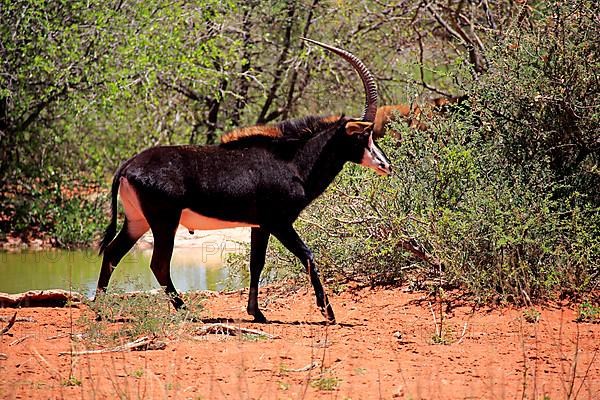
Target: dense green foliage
x=454, y=213
x=499, y=197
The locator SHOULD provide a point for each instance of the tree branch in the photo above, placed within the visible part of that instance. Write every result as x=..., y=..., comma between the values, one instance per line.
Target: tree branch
x=242, y=98
x=290, y=96
x=421, y=69
x=183, y=90
x=38, y=108
x=280, y=63
x=475, y=57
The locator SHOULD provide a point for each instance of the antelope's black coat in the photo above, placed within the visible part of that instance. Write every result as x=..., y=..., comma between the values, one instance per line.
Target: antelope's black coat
x=259, y=181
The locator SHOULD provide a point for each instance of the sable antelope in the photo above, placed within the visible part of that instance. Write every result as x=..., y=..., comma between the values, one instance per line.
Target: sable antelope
x=409, y=113
x=261, y=177
x=413, y=114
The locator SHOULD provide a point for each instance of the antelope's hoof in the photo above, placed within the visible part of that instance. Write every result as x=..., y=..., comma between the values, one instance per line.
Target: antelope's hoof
x=260, y=318
x=328, y=314
x=178, y=304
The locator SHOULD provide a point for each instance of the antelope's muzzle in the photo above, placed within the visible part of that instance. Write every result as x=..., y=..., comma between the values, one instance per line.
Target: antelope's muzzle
x=376, y=159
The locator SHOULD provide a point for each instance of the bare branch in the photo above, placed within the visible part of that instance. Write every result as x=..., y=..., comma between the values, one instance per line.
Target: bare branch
x=181, y=89
x=415, y=249
x=39, y=107
x=290, y=95
x=227, y=329
x=10, y=324
x=445, y=24
x=488, y=14
x=143, y=343
x=475, y=57
x=421, y=68
x=244, y=83
x=280, y=64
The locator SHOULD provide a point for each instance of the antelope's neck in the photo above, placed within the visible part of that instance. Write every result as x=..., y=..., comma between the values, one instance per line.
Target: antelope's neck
x=318, y=163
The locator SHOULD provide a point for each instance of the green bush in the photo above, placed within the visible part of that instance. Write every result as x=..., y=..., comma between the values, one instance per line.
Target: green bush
x=453, y=212
x=500, y=198
x=69, y=213
x=540, y=101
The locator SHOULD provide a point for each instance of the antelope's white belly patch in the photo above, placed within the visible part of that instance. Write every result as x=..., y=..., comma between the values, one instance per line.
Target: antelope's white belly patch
x=193, y=220
x=189, y=218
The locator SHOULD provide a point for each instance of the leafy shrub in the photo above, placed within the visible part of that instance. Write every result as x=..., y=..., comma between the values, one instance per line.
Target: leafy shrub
x=454, y=211
x=540, y=101
x=71, y=213
x=501, y=198
x=588, y=312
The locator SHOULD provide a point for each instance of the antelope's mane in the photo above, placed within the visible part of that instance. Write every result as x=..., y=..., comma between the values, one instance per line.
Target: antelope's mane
x=294, y=129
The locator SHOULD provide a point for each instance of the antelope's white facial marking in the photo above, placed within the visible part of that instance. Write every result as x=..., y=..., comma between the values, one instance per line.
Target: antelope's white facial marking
x=374, y=158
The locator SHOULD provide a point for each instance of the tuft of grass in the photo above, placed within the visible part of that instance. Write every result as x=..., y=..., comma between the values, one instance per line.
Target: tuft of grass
x=440, y=338
x=253, y=337
x=588, y=312
x=326, y=383
x=71, y=381
x=138, y=373
x=532, y=315
x=138, y=314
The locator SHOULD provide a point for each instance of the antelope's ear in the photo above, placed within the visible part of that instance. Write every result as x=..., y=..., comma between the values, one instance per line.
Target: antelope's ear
x=359, y=128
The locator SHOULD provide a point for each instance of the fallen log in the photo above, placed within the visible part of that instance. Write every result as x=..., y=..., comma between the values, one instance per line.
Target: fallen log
x=40, y=298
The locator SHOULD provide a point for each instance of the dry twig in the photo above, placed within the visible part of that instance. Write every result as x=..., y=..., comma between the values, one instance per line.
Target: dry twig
x=437, y=331
x=20, y=340
x=11, y=322
x=46, y=365
x=308, y=367
x=462, y=336
x=232, y=330
x=143, y=343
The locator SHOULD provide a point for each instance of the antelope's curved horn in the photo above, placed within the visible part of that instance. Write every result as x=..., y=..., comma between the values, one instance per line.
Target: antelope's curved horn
x=365, y=75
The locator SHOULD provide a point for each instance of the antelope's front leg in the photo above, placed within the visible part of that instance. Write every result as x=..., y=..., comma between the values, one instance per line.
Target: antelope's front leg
x=290, y=239
x=258, y=248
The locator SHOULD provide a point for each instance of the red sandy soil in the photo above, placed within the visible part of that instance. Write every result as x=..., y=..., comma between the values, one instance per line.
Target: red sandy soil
x=381, y=348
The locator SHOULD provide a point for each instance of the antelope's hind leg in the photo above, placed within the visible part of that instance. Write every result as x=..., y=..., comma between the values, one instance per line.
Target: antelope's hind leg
x=164, y=225
x=134, y=226
x=117, y=248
